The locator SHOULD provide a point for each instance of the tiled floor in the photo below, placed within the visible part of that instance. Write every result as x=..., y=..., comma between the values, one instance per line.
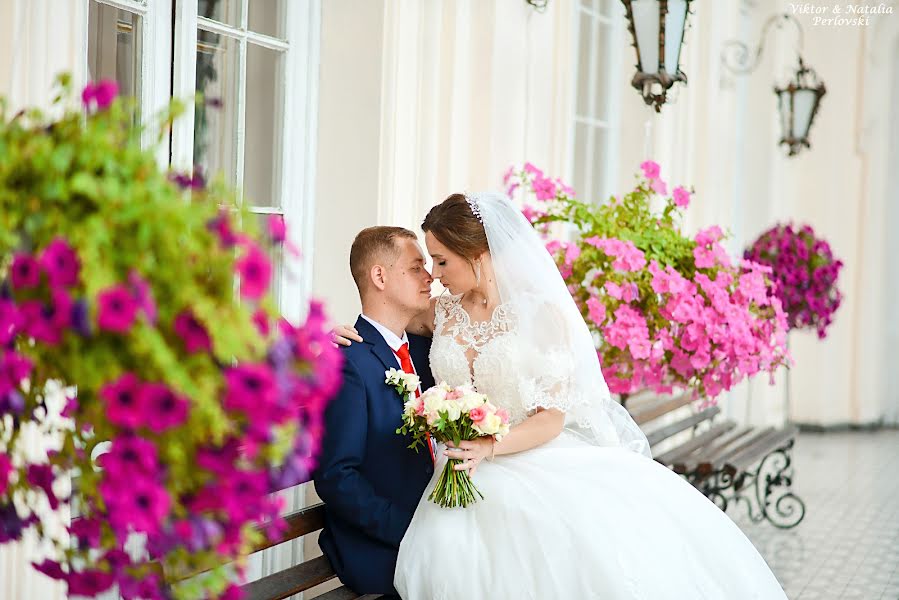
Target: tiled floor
x=847, y=547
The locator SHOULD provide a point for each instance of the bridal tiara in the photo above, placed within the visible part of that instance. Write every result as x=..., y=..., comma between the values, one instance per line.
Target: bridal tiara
x=475, y=209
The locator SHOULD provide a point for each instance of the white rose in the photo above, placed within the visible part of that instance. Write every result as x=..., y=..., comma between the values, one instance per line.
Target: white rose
x=453, y=410
x=490, y=425
x=411, y=381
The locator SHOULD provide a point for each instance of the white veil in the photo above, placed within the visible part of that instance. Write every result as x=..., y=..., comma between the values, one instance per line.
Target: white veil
x=563, y=370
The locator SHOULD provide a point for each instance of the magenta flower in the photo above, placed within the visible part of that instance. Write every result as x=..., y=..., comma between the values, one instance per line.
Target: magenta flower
x=249, y=387
x=122, y=399
x=41, y=476
x=60, y=311
x=143, y=295
x=130, y=455
x=25, y=272
x=163, y=408
x=194, y=335
x=117, y=309
x=100, y=94
x=5, y=470
x=277, y=228
x=60, y=263
x=260, y=320
x=255, y=271
x=142, y=508
x=11, y=321
x=38, y=322
x=221, y=227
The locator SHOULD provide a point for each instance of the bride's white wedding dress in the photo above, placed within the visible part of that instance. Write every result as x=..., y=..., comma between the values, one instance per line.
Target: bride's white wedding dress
x=569, y=519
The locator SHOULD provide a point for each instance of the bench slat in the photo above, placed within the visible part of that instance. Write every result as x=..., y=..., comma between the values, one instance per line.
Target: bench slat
x=745, y=442
x=666, y=432
x=708, y=453
x=658, y=407
x=290, y=581
x=675, y=456
x=761, y=448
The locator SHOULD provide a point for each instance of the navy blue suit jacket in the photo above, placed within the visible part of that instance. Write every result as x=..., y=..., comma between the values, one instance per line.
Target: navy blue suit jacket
x=367, y=476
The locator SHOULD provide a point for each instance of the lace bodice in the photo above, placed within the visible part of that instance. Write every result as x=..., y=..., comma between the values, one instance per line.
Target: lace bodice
x=483, y=354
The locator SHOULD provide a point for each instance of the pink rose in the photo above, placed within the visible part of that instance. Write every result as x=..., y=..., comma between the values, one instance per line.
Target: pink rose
x=477, y=414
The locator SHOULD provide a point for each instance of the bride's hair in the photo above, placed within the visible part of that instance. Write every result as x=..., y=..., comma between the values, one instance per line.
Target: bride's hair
x=456, y=227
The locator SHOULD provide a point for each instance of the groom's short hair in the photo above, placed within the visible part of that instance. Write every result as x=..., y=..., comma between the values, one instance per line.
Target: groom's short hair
x=372, y=245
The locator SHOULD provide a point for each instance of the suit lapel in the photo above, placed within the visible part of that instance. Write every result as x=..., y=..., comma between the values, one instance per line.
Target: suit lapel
x=377, y=344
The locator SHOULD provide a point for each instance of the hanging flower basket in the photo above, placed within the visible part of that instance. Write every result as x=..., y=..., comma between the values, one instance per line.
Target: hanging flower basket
x=176, y=401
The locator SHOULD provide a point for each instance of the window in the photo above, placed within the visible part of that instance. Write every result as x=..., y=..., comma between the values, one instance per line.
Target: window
x=598, y=25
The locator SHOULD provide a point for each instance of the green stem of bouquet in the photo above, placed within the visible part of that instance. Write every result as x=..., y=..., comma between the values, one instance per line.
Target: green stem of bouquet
x=454, y=488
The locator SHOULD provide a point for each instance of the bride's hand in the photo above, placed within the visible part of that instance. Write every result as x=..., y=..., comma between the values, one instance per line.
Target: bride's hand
x=345, y=335
x=471, y=452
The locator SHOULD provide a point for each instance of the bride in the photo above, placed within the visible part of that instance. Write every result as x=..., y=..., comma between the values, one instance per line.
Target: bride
x=574, y=506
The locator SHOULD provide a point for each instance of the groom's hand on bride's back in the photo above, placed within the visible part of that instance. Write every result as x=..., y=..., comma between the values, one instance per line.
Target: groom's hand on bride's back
x=345, y=335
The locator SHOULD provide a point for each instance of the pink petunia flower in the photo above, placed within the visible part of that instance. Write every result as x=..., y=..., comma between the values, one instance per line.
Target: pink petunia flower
x=25, y=272
x=5, y=470
x=100, y=94
x=60, y=263
x=162, y=407
x=128, y=456
x=117, y=309
x=651, y=169
x=143, y=296
x=249, y=387
x=255, y=271
x=681, y=197
x=122, y=399
x=141, y=509
x=277, y=228
x=192, y=332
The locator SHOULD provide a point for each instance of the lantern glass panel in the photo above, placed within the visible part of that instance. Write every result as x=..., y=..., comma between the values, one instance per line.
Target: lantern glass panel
x=675, y=21
x=804, y=100
x=646, y=24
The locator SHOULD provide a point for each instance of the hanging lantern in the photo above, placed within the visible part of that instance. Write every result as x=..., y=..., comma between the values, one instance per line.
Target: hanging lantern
x=798, y=104
x=657, y=28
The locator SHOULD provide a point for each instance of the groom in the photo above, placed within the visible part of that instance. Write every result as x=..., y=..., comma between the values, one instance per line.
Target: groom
x=368, y=478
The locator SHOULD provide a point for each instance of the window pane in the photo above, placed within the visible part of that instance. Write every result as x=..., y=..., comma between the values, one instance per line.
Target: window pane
x=215, y=121
x=579, y=180
x=114, y=47
x=600, y=164
x=583, y=68
x=224, y=11
x=603, y=67
x=267, y=16
x=263, y=136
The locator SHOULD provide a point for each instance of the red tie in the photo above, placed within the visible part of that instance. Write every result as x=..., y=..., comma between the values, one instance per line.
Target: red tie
x=406, y=362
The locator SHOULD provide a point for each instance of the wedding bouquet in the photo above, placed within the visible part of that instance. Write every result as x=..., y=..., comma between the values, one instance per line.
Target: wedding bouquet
x=450, y=414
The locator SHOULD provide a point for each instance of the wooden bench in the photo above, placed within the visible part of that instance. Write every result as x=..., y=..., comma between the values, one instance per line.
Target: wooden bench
x=730, y=464
x=303, y=576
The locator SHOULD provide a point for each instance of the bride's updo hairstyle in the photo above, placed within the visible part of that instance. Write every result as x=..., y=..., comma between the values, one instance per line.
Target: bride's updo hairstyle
x=457, y=228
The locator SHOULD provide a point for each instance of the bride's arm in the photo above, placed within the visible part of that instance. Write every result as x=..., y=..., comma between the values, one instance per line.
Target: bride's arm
x=541, y=427
x=423, y=322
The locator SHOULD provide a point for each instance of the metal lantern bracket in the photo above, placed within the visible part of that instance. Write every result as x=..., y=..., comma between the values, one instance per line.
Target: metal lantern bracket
x=799, y=99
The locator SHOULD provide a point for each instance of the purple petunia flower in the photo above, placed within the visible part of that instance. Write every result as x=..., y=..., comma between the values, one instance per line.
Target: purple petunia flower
x=5, y=470
x=25, y=272
x=221, y=227
x=163, y=408
x=38, y=322
x=60, y=263
x=128, y=456
x=81, y=318
x=117, y=309
x=89, y=583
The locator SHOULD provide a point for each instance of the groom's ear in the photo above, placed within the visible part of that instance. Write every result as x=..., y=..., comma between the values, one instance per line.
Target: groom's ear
x=378, y=275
